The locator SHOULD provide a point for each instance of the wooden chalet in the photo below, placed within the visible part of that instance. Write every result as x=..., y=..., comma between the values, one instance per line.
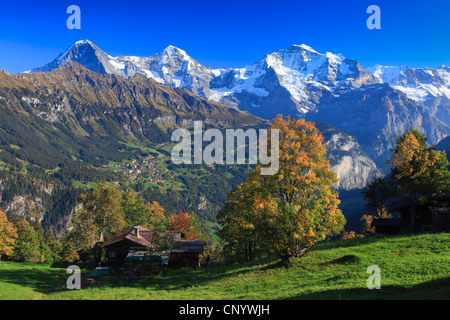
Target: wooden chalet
x=139, y=239
x=133, y=239
x=426, y=219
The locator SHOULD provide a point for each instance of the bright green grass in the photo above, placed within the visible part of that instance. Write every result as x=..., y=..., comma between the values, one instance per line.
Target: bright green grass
x=412, y=267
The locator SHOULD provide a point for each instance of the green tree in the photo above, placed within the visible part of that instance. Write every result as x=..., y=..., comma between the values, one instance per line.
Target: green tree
x=53, y=244
x=69, y=250
x=100, y=217
x=139, y=212
x=26, y=246
x=376, y=194
x=238, y=223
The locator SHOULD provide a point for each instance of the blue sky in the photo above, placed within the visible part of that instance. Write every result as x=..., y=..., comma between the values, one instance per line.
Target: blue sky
x=229, y=33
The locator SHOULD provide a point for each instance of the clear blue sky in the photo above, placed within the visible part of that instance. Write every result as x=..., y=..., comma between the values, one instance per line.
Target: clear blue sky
x=228, y=33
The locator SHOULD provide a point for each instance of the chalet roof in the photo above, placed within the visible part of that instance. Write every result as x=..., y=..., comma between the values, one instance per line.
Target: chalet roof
x=138, y=235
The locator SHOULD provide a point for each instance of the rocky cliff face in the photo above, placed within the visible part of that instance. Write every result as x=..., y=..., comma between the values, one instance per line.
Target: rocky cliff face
x=376, y=115
x=354, y=168
x=26, y=207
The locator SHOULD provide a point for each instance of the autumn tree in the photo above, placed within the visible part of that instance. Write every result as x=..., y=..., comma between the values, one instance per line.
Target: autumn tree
x=69, y=251
x=296, y=207
x=8, y=235
x=419, y=169
x=188, y=224
x=368, y=230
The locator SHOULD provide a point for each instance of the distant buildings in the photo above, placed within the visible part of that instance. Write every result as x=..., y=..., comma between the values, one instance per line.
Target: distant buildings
x=145, y=171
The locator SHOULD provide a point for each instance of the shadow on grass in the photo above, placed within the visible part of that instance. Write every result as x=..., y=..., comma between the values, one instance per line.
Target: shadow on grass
x=432, y=290
x=179, y=279
x=52, y=278
x=40, y=279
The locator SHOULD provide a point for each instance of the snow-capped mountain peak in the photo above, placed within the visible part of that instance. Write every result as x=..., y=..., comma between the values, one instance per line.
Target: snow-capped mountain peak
x=81, y=42
x=304, y=47
x=174, y=51
x=86, y=53
x=292, y=73
x=419, y=84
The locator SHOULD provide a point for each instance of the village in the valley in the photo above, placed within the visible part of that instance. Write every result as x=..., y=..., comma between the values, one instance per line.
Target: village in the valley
x=147, y=171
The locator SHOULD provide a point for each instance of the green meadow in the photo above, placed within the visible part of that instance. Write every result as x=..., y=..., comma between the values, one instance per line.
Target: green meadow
x=411, y=267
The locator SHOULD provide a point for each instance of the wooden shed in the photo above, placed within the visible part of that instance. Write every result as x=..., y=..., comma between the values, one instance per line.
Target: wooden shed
x=427, y=218
x=186, y=253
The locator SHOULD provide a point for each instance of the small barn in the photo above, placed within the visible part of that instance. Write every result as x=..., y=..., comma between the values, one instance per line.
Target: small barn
x=186, y=253
x=426, y=218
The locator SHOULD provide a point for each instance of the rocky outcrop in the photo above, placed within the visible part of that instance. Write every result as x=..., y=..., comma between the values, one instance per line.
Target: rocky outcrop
x=354, y=168
x=26, y=207
x=376, y=115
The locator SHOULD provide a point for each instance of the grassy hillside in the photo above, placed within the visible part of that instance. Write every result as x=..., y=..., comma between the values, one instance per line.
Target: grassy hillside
x=412, y=267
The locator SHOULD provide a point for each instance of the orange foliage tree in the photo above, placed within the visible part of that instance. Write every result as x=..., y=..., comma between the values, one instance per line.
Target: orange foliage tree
x=418, y=169
x=8, y=235
x=368, y=230
x=188, y=224
x=296, y=207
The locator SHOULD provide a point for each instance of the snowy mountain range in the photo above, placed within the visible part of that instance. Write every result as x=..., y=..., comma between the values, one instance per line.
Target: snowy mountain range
x=374, y=105
x=418, y=84
x=299, y=74
x=290, y=71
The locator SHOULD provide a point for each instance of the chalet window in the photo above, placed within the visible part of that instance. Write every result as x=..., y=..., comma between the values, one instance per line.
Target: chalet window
x=112, y=253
